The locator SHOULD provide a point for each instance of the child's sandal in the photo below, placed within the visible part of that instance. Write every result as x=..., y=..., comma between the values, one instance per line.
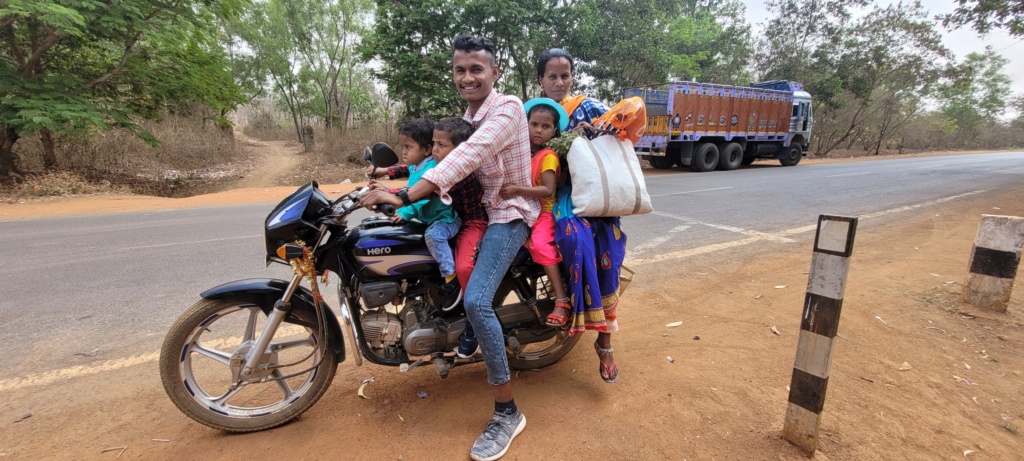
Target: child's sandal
x=609, y=373
x=557, y=320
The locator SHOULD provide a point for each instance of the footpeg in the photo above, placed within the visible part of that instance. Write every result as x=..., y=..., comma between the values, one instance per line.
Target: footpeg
x=442, y=366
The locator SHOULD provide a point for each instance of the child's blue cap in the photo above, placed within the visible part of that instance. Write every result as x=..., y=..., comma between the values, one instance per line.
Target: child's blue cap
x=563, y=116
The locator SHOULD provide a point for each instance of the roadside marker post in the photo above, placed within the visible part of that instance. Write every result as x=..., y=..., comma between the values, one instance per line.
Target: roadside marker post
x=994, y=261
x=826, y=283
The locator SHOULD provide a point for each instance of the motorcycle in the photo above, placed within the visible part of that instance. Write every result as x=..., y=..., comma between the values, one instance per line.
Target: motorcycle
x=255, y=354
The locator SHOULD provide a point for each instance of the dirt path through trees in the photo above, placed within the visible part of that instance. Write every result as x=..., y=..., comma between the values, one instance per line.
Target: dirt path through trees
x=275, y=160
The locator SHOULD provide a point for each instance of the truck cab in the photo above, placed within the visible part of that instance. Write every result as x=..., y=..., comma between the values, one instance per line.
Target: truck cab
x=802, y=121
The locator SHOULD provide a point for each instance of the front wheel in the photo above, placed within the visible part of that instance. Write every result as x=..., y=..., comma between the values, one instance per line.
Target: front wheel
x=204, y=352
x=543, y=353
x=791, y=155
x=662, y=163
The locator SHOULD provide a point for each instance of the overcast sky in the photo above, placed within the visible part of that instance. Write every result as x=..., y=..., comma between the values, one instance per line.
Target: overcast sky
x=961, y=42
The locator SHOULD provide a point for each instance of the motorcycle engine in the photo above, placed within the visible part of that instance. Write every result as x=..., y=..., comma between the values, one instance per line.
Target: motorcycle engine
x=381, y=329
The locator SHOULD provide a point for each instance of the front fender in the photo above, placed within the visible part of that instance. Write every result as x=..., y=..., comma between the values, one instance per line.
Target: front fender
x=266, y=292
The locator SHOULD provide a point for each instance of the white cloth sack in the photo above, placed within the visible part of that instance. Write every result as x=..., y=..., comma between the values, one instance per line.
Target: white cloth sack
x=606, y=178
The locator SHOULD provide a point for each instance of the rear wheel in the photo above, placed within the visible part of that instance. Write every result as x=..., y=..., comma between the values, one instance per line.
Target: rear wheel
x=705, y=157
x=791, y=155
x=204, y=352
x=542, y=353
x=730, y=156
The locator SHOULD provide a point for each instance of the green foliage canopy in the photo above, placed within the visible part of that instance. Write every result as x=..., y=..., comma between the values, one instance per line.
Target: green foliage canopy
x=985, y=15
x=69, y=66
x=616, y=44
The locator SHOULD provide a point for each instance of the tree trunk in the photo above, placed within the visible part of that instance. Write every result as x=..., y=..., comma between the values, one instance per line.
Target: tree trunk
x=7, y=167
x=49, y=149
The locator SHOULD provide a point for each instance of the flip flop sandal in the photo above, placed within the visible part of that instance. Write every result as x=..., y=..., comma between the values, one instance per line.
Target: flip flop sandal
x=609, y=373
x=558, y=320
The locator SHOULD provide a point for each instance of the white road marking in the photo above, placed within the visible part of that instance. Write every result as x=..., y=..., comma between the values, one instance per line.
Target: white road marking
x=691, y=191
x=53, y=376
x=50, y=377
x=760, y=237
x=752, y=233
x=849, y=174
x=654, y=242
x=188, y=243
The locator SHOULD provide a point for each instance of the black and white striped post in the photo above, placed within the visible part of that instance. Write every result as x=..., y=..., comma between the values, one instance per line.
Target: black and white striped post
x=994, y=261
x=826, y=283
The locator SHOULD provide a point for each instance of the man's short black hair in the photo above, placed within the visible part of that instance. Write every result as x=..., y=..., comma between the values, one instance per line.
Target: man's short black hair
x=458, y=129
x=471, y=43
x=420, y=130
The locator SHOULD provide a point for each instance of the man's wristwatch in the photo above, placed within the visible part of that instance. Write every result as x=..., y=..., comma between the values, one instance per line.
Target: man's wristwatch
x=404, y=195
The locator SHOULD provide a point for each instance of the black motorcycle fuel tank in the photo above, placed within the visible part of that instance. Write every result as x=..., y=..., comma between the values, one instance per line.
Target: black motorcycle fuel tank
x=378, y=249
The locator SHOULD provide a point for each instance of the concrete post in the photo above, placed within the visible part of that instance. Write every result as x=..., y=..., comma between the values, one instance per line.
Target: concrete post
x=307, y=138
x=826, y=284
x=994, y=261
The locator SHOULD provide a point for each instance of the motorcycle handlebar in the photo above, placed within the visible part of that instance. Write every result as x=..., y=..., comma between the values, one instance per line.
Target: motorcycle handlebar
x=386, y=208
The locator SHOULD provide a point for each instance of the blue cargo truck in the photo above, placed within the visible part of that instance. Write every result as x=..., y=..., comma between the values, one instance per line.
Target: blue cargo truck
x=706, y=126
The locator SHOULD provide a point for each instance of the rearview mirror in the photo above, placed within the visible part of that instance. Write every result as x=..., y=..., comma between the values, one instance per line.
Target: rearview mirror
x=382, y=156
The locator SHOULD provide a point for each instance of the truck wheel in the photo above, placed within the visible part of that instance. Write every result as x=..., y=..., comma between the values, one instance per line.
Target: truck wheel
x=705, y=157
x=662, y=163
x=729, y=156
x=791, y=155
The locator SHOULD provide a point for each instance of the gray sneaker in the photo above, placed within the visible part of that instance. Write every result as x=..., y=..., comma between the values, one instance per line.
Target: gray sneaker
x=497, y=437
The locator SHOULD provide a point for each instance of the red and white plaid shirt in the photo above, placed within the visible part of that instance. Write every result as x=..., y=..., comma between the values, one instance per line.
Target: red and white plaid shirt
x=499, y=152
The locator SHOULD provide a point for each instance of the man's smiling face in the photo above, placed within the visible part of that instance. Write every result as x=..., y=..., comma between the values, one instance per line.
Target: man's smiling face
x=475, y=74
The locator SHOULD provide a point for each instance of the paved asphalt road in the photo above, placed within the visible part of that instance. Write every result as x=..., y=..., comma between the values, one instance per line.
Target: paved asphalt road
x=83, y=290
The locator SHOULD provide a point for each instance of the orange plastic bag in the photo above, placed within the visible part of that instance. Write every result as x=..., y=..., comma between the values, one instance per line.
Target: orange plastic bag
x=629, y=117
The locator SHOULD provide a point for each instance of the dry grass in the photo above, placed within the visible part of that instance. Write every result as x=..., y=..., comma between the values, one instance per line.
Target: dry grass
x=62, y=183
x=193, y=156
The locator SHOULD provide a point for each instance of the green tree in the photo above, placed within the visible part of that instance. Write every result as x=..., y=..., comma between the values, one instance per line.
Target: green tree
x=985, y=15
x=306, y=50
x=975, y=92
x=70, y=66
x=413, y=42
x=888, y=63
x=616, y=44
x=800, y=43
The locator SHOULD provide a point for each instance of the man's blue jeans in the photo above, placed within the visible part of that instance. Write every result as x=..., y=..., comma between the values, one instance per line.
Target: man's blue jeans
x=498, y=248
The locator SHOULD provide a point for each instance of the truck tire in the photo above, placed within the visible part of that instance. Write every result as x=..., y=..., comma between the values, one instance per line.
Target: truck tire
x=790, y=156
x=705, y=157
x=662, y=163
x=730, y=156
